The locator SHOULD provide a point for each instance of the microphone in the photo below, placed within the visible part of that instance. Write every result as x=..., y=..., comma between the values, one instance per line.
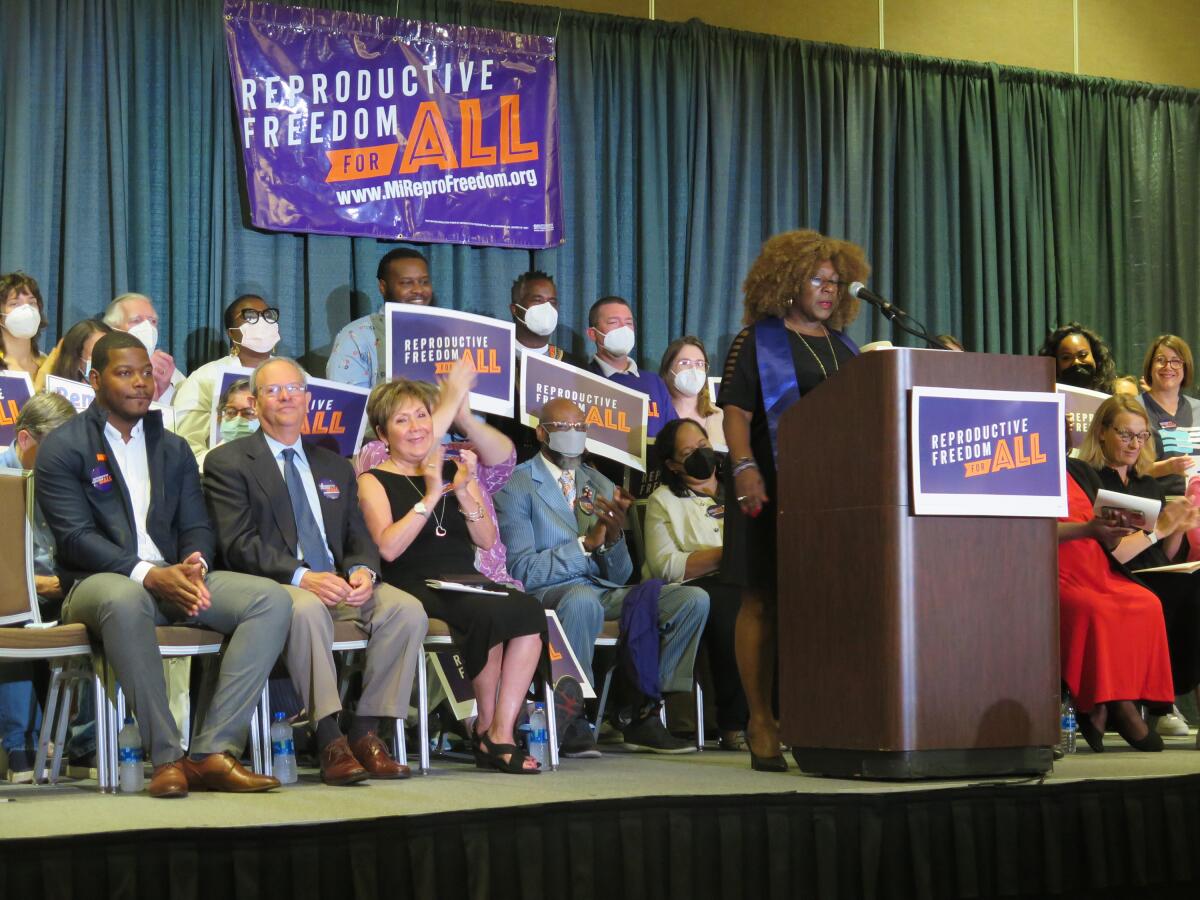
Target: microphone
x=862, y=292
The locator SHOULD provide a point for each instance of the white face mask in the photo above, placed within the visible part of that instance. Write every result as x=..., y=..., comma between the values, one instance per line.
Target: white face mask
x=541, y=319
x=87, y=369
x=23, y=322
x=619, y=341
x=690, y=382
x=146, y=332
x=260, y=336
x=567, y=443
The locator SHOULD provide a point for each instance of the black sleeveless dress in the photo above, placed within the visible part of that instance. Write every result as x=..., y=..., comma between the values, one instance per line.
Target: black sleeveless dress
x=477, y=622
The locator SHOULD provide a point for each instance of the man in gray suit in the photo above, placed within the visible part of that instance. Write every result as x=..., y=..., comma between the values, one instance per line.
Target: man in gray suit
x=562, y=523
x=289, y=511
x=133, y=548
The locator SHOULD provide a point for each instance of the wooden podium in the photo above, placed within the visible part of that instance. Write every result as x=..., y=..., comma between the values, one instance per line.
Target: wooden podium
x=909, y=646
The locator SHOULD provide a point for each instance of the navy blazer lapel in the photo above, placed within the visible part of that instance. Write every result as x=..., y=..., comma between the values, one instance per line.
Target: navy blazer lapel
x=99, y=421
x=265, y=469
x=332, y=510
x=551, y=493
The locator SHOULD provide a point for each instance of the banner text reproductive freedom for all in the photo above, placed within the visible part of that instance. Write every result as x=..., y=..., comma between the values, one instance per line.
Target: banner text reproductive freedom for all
x=389, y=128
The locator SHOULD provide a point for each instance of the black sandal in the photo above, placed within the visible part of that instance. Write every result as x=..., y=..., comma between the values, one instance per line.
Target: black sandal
x=514, y=765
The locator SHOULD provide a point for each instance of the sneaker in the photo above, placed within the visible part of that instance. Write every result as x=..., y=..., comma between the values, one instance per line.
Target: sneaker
x=577, y=741
x=1172, y=724
x=20, y=766
x=649, y=735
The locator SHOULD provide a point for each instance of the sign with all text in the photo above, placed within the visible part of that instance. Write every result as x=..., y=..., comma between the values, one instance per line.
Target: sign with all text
x=616, y=416
x=15, y=390
x=423, y=342
x=337, y=413
x=988, y=453
x=358, y=124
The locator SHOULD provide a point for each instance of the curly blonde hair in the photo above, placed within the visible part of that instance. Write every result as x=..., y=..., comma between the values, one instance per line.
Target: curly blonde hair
x=789, y=259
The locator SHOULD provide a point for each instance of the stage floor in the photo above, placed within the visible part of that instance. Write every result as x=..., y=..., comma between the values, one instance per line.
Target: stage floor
x=77, y=808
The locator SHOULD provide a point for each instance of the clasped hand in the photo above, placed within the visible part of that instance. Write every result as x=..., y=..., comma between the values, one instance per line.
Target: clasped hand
x=333, y=590
x=181, y=585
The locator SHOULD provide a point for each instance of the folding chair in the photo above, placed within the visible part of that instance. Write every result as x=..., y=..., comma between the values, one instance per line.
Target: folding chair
x=436, y=640
x=65, y=647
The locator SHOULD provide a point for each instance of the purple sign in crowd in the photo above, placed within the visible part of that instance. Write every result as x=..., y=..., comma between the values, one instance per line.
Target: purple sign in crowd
x=365, y=125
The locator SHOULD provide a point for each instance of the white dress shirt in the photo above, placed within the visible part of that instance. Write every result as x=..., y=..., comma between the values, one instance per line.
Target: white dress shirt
x=130, y=459
x=609, y=371
x=310, y=491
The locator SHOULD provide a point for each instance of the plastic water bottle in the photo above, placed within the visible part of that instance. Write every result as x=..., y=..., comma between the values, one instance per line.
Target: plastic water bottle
x=1069, y=729
x=129, y=758
x=538, y=741
x=283, y=751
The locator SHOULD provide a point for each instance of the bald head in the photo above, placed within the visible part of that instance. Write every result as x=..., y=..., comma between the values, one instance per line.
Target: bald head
x=560, y=409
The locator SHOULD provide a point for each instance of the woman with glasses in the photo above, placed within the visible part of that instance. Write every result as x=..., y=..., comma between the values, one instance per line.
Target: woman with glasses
x=1173, y=416
x=426, y=509
x=796, y=305
x=1110, y=658
x=253, y=331
x=684, y=368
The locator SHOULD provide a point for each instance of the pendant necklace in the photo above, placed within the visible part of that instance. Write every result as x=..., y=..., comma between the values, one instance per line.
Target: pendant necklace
x=439, y=530
x=804, y=340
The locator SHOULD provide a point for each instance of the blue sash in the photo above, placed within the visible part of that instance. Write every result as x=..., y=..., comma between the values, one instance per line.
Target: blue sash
x=777, y=371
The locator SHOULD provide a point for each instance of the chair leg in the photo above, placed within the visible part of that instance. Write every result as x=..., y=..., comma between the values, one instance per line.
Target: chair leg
x=260, y=733
x=401, y=743
x=699, y=716
x=423, y=713
x=43, y=747
x=100, y=704
x=64, y=716
x=603, y=701
x=116, y=720
x=551, y=724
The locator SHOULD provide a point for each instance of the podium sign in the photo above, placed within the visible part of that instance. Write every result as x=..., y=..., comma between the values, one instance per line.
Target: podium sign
x=988, y=453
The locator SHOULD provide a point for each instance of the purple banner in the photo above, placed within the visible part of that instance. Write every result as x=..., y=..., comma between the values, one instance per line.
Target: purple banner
x=15, y=390
x=391, y=128
x=337, y=413
x=988, y=453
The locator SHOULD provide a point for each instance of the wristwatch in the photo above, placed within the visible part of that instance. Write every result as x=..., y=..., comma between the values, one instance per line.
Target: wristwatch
x=420, y=508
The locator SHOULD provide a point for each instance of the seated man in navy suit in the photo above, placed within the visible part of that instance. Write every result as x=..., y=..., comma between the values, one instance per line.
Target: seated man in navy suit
x=563, y=525
x=122, y=497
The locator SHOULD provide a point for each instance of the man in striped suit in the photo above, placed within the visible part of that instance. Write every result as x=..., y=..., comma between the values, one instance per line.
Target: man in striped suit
x=562, y=523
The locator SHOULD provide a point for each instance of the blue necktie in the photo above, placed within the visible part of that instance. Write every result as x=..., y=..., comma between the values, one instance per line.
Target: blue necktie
x=308, y=533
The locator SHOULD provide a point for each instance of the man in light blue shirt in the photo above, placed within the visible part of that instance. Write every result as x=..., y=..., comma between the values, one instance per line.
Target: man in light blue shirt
x=358, y=352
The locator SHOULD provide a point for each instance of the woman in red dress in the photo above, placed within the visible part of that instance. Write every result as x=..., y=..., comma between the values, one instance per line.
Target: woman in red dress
x=1112, y=633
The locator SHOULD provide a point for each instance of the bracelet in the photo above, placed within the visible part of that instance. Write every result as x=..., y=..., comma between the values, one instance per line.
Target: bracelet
x=475, y=516
x=741, y=465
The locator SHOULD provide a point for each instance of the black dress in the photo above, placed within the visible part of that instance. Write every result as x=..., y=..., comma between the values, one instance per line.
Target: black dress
x=1178, y=593
x=749, y=555
x=477, y=622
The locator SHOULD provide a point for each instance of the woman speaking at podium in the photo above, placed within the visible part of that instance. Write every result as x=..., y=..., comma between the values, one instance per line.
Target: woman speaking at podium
x=796, y=304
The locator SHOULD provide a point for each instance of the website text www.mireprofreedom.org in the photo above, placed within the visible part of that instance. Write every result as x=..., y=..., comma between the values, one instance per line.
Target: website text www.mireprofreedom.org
x=448, y=184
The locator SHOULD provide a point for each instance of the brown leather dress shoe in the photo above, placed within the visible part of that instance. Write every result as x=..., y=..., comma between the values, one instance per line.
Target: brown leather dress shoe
x=372, y=753
x=339, y=765
x=169, y=780
x=221, y=772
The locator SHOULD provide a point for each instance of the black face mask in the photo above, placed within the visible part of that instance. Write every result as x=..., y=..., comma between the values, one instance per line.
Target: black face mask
x=1079, y=375
x=701, y=464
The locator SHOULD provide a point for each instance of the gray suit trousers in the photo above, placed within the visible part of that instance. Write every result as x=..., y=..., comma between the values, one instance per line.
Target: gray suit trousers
x=394, y=624
x=253, y=612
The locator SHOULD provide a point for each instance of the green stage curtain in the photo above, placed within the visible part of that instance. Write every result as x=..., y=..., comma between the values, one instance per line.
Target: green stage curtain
x=994, y=203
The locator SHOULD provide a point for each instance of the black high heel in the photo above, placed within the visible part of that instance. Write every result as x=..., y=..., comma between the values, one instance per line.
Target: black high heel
x=514, y=765
x=776, y=763
x=1091, y=734
x=1151, y=743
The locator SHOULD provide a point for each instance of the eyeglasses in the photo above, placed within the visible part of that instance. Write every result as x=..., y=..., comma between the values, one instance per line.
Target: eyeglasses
x=565, y=426
x=682, y=364
x=1128, y=437
x=819, y=283
x=1162, y=362
x=270, y=315
x=275, y=390
x=231, y=412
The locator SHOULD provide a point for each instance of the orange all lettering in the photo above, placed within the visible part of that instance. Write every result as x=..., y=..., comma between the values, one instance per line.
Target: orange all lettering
x=428, y=142
x=8, y=412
